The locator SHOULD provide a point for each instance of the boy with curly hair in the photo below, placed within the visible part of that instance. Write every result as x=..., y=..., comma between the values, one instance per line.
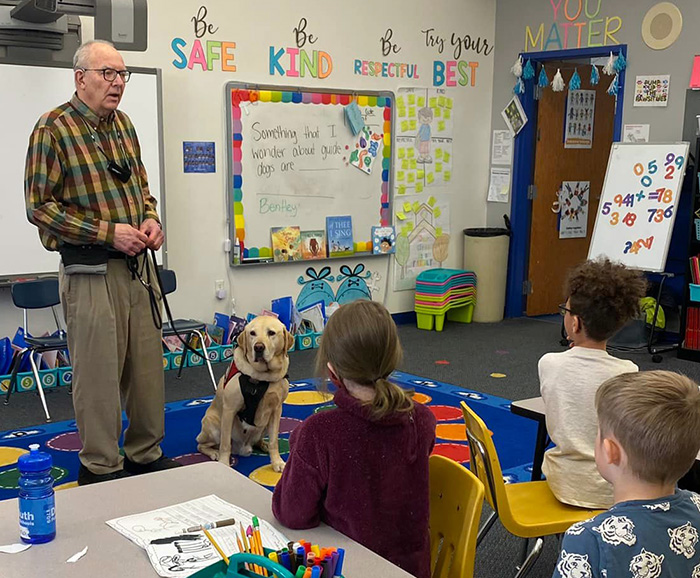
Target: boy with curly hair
x=648, y=436
x=602, y=297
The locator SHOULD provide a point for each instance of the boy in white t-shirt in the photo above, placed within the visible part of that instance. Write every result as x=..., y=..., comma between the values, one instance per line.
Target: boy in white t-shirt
x=602, y=297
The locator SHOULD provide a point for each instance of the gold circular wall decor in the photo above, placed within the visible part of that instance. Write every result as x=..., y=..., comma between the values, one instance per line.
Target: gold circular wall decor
x=662, y=25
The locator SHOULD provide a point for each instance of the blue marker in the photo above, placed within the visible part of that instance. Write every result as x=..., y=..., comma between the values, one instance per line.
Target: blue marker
x=339, y=566
x=285, y=561
x=316, y=572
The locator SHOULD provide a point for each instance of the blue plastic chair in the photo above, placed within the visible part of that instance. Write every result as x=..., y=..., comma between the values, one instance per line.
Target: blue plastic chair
x=39, y=294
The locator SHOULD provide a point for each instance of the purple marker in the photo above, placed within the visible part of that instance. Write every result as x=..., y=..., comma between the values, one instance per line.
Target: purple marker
x=334, y=562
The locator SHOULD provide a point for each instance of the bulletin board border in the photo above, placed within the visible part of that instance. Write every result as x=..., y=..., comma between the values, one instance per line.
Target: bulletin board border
x=237, y=92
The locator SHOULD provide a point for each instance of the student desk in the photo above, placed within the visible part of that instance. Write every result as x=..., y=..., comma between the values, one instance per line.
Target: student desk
x=533, y=408
x=81, y=514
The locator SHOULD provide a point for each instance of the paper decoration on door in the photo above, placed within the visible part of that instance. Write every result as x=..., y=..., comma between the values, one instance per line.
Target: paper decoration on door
x=514, y=115
x=652, y=90
x=424, y=140
x=638, y=204
x=573, y=209
x=580, y=114
x=422, y=237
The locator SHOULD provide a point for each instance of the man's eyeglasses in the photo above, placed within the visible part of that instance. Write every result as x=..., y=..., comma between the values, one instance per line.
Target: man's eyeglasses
x=563, y=309
x=109, y=74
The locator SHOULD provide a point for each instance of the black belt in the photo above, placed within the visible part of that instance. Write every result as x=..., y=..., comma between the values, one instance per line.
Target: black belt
x=116, y=255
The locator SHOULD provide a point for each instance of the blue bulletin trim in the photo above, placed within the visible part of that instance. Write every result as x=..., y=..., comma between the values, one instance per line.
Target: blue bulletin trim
x=524, y=168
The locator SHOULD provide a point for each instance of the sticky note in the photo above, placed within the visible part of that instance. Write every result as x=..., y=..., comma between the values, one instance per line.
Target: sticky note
x=401, y=176
x=438, y=231
x=404, y=164
x=447, y=175
x=404, y=126
x=437, y=212
x=438, y=113
x=431, y=178
x=419, y=187
x=411, y=98
x=400, y=102
x=441, y=101
x=446, y=157
x=433, y=101
x=421, y=101
x=410, y=152
x=441, y=125
x=405, y=230
x=447, y=114
x=438, y=167
x=420, y=174
x=410, y=226
x=400, y=216
x=412, y=164
x=402, y=152
x=416, y=206
x=411, y=177
x=438, y=153
x=432, y=201
x=412, y=112
x=407, y=207
x=402, y=112
x=402, y=189
x=448, y=102
x=413, y=125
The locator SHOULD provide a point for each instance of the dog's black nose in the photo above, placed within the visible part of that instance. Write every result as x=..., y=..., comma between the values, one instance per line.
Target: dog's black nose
x=259, y=348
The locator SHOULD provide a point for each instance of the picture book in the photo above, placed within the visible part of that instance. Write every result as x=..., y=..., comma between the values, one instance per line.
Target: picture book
x=340, y=240
x=383, y=240
x=313, y=244
x=286, y=243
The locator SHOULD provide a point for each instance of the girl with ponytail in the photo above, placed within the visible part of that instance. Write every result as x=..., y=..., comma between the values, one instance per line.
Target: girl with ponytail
x=362, y=467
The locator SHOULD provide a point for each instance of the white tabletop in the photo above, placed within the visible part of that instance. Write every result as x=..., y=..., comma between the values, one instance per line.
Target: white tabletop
x=81, y=514
x=533, y=404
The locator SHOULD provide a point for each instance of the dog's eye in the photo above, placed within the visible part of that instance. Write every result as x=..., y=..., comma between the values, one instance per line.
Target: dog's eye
x=252, y=333
x=270, y=333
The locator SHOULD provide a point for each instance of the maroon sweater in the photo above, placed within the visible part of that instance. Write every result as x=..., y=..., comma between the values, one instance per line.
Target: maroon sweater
x=367, y=479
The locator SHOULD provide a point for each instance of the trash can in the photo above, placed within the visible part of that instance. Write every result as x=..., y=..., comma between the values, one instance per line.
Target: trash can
x=486, y=253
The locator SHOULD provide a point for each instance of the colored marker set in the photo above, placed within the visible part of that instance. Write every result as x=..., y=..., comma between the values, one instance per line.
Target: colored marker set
x=305, y=560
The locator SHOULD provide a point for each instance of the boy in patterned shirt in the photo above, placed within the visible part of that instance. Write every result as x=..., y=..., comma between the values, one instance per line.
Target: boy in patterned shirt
x=648, y=436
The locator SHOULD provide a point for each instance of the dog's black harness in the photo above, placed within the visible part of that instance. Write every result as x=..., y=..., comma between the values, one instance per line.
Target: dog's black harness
x=253, y=391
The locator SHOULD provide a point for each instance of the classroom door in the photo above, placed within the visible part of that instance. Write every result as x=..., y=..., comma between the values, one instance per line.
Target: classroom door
x=551, y=257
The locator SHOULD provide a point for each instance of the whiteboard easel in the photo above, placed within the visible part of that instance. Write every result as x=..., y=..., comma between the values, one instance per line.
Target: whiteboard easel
x=638, y=204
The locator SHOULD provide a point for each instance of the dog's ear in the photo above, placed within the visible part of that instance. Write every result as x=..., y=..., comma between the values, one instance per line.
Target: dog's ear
x=288, y=340
x=243, y=342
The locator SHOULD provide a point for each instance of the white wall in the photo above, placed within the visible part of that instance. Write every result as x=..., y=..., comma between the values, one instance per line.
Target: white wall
x=513, y=16
x=193, y=110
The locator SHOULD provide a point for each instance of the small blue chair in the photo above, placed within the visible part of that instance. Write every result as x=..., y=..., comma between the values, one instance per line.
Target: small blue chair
x=28, y=295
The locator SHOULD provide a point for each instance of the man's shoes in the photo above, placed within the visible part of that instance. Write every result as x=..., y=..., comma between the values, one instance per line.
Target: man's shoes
x=86, y=477
x=162, y=463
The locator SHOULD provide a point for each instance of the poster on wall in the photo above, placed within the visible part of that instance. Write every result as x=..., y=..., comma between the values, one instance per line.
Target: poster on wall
x=514, y=115
x=423, y=140
x=652, y=90
x=580, y=114
x=502, y=147
x=422, y=237
x=635, y=133
x=499, y=185
x=573, y=209
x=198, y=157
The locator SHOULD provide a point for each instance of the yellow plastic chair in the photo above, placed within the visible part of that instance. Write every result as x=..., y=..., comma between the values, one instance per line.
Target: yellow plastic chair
x=456, y=499
x=526, y=510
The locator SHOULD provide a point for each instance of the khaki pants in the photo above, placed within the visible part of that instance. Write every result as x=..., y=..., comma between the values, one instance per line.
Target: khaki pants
x=116, y=352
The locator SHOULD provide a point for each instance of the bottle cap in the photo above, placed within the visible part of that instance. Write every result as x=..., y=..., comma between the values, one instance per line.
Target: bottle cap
x=34, y=461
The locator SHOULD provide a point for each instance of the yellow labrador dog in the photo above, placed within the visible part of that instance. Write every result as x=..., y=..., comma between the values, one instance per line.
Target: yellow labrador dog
x=249, y=398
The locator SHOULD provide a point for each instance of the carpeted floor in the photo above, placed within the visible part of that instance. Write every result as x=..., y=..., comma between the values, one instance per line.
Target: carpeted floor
x=494, y=359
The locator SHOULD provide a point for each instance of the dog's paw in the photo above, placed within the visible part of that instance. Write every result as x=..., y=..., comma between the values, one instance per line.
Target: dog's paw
x=263, y=446
x=278, y=465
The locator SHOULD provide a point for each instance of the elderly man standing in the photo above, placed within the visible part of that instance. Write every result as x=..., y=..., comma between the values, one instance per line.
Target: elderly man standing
x=87, y=192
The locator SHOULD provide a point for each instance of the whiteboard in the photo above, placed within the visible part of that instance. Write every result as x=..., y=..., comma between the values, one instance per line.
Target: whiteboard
x=27, y=93
x=638, y=204
x=290, y=163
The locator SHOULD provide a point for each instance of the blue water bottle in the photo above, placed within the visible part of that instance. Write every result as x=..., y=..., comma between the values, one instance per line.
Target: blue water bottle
x=37, y=508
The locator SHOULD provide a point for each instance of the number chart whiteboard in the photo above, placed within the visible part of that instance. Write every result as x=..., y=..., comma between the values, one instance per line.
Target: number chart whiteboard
x=638, y=204
x=289, y=157
x=28, y=91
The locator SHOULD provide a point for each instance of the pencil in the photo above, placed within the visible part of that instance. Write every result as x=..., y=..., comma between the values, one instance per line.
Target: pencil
x=211, y=525
x=213, y=543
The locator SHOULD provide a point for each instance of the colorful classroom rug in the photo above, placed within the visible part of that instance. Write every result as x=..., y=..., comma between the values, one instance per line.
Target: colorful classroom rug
x=514, y=436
